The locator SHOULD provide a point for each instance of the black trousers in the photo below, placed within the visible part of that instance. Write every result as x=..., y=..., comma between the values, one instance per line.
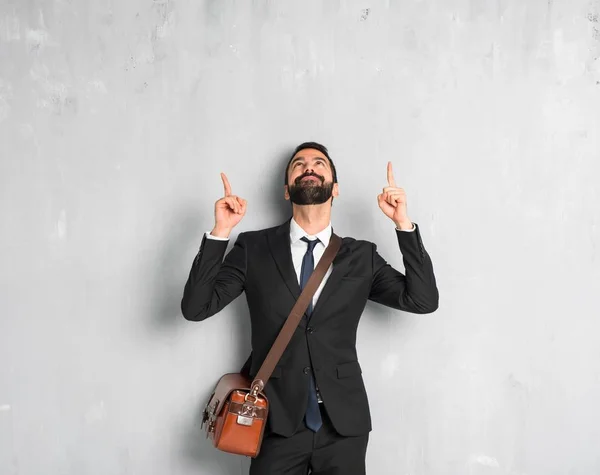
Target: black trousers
x=322, y=453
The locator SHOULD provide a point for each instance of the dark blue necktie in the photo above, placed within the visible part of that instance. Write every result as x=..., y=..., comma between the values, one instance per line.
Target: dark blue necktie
x=313, y=414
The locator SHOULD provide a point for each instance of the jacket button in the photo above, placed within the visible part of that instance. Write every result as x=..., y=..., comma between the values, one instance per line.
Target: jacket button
x=310, y=330
x=306, y=370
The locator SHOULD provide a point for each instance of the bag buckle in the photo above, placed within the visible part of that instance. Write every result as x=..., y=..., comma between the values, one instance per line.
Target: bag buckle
x=208, y=415
x=247, y=414
x=257, y=386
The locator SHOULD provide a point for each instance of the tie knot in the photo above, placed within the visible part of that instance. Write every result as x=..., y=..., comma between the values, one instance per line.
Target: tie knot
x=311, y=244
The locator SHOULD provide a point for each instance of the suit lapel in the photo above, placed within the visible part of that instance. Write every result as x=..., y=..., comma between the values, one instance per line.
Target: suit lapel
x=279, y=243
x=341, y=267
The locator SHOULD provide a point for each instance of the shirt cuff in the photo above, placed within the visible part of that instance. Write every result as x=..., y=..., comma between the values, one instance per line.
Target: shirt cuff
x=216, y=238
x=407, y=230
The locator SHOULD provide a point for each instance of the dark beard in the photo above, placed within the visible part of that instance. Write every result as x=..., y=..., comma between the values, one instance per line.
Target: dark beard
x=310, y=194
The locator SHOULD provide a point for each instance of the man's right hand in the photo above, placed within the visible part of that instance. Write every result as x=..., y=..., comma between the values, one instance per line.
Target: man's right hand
x=229, y=211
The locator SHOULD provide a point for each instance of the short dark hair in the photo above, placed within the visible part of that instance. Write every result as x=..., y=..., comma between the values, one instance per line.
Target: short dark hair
x=316, y=146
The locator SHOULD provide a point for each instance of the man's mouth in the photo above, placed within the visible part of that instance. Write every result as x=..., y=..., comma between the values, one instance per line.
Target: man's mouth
x=310, y=177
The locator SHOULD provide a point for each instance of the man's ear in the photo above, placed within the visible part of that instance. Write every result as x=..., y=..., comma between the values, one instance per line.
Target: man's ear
x=335, y=191
x=286, y=193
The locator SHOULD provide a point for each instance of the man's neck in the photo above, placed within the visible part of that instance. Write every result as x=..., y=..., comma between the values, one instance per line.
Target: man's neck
x=312, y=218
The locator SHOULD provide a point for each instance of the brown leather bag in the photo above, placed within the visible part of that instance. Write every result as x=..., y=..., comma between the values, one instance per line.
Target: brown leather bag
x=236, y=412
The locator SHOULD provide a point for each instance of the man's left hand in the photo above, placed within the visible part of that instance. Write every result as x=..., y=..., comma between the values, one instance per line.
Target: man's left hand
x=393, y=202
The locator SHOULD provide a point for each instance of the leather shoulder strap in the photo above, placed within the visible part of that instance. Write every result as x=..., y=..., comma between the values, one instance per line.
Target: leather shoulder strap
x=293, y=320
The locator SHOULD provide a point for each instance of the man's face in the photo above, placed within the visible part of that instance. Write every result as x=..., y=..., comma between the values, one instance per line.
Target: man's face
x=310, y=178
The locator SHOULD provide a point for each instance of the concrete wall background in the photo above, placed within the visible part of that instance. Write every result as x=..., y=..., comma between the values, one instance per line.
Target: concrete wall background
x=115, y=121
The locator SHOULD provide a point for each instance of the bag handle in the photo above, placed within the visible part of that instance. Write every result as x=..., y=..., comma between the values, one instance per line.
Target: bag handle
x=293, y=320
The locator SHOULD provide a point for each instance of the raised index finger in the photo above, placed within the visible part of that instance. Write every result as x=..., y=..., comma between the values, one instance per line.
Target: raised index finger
x=390, y=175
x=226, y=185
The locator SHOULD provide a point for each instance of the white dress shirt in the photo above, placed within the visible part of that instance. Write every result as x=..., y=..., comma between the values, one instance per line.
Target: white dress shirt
x=299, y=247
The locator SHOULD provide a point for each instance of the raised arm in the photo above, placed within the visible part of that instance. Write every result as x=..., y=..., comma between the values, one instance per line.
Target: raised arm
x=213, y=282
x=416, y=291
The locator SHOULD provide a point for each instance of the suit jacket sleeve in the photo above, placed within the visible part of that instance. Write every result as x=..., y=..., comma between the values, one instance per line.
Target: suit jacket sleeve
x=415, y=292
x=213, y=282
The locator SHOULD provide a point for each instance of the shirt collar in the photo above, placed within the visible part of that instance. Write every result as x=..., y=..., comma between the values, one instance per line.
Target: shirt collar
x=297, y=233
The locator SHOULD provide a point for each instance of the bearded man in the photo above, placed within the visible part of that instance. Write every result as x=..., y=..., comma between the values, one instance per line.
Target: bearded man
x=319, y=419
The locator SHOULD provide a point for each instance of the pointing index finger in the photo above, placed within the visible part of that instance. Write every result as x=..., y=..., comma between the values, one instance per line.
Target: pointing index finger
x=226, y=185
x=390, y=175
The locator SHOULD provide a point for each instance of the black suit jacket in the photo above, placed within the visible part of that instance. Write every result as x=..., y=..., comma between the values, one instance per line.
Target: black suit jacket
x=260, y=264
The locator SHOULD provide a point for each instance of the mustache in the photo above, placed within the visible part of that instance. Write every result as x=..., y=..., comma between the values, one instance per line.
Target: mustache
x=300, y=178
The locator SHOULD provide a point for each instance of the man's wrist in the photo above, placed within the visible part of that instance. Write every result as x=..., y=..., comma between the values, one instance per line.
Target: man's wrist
x=220, y=232
x=405, y=226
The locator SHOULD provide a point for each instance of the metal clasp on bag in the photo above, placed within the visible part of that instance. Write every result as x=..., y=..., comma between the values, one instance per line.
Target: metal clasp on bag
x=247, y=415
x=249, y=407
x=209, y=415
x=257, y=386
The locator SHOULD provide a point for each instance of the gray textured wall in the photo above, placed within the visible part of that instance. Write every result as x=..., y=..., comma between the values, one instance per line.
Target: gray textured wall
x=116, y=118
